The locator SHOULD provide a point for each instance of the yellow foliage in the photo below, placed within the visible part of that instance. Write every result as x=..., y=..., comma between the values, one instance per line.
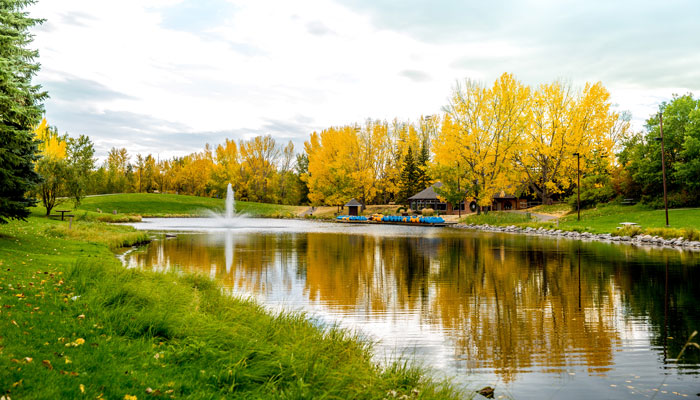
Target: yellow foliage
x=480, y=136
x=52, y=145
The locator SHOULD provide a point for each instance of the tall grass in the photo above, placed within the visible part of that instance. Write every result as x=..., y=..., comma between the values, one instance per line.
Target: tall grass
x=84, y=326
x=666, y=233
x=497, y=218
x=113, y=237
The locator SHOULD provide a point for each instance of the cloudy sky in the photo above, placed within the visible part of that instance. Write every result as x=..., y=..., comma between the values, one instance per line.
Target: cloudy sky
x=167, y=76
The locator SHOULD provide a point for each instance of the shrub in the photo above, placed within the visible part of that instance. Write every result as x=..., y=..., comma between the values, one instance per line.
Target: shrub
x=629, y=231
x=428, y=212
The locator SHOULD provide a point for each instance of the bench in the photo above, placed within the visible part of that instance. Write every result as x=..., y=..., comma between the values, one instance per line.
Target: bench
x=628, y=202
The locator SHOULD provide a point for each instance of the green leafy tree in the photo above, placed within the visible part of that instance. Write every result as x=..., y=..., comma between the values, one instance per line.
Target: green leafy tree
x=641, y=156
x=20, y=110
x=80, y=163
x=53, y=188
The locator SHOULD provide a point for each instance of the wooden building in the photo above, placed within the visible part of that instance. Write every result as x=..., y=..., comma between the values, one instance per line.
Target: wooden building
x=428, y=198
x=354, y=207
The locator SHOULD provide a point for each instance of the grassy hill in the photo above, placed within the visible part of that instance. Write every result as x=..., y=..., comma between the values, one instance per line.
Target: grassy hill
x=170, y=205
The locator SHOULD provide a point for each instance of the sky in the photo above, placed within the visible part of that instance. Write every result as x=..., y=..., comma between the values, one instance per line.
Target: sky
x=166, y=77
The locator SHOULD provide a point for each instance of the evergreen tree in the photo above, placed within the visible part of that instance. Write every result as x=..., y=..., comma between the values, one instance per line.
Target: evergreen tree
x=20, y=110
x=423, y=160
x=410, y=175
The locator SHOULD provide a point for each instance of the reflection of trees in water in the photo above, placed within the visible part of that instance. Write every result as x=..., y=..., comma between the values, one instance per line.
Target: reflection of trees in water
x=357, y=271
x=514, y=307
x=510, y=303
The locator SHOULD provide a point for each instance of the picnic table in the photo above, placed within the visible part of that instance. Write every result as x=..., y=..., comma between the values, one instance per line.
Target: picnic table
x=63, y=212
x=626, y=224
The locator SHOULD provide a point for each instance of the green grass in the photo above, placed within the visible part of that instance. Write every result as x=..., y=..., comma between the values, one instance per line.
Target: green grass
x=559, y=208
x=170, y=205
x=74, y=323
x=607, y=218
x=496, y=218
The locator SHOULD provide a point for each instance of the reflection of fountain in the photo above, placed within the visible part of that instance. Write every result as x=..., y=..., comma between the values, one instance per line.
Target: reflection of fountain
x=228, y=250
x=230, y=202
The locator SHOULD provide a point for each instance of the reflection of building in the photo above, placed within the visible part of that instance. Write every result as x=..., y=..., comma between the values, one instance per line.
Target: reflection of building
x=428, y=198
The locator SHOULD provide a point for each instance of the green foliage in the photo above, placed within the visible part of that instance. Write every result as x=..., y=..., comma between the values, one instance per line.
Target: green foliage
x=20, y=110
x=595, y=189
x=410, y=177
x=422, y=165
x=80, y=161
x=641, y=156
x=53, y=187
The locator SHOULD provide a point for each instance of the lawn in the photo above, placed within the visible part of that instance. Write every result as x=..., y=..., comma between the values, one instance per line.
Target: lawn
x=496, y=218
x=606, y=218
x=168, y=205
x=74, y=323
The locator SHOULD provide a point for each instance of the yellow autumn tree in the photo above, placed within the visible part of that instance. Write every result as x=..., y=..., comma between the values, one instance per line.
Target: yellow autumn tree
x=51, y=166
x=480, y=135
x=259, y=159
x=564, y=122
x=227, y=168
x=331, y=166
x=52, y=144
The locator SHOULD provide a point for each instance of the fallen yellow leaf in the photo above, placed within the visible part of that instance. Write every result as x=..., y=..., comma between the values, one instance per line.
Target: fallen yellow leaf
x=82, y=388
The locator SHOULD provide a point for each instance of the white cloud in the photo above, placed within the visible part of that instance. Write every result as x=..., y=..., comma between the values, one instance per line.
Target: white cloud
x=312, y=63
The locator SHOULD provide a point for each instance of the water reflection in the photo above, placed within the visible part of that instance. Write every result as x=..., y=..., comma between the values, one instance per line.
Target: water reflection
x=514, y=308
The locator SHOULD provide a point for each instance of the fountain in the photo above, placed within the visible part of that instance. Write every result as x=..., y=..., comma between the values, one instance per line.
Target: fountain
x=230, y=202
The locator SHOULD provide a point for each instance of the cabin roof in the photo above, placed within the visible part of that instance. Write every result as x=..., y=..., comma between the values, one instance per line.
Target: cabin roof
x=428, y=193
x=353, y=203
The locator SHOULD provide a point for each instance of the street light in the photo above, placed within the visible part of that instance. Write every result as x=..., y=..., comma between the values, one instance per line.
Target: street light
x=663, y=160
x=578, y=185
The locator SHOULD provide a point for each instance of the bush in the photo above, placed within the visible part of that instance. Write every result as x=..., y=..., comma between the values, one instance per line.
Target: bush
x=666, y=233
x=428, y=212
x=630, y=231
x=592, y=195
x=675, y=200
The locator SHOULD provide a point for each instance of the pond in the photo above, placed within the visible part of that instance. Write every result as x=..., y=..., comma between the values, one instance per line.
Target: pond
x=535, y=317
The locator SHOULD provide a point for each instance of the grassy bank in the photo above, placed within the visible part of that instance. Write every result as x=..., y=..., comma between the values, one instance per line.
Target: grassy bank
x=606, y=219
x=74, y=323
x=171, y=205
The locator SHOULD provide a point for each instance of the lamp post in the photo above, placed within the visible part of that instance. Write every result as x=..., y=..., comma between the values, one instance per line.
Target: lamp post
x=578, y=185
x=663, y=161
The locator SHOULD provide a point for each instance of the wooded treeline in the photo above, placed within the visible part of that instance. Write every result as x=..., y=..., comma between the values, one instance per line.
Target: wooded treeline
x=489, y=141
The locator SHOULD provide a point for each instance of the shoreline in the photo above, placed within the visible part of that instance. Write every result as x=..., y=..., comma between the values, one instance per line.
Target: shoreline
x=76, y=318
x=637, y=241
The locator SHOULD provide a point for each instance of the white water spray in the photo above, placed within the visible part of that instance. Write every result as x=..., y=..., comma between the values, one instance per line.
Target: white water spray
x=230, y=202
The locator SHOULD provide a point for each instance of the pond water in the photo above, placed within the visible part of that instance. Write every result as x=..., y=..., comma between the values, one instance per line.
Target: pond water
x=535, y=317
